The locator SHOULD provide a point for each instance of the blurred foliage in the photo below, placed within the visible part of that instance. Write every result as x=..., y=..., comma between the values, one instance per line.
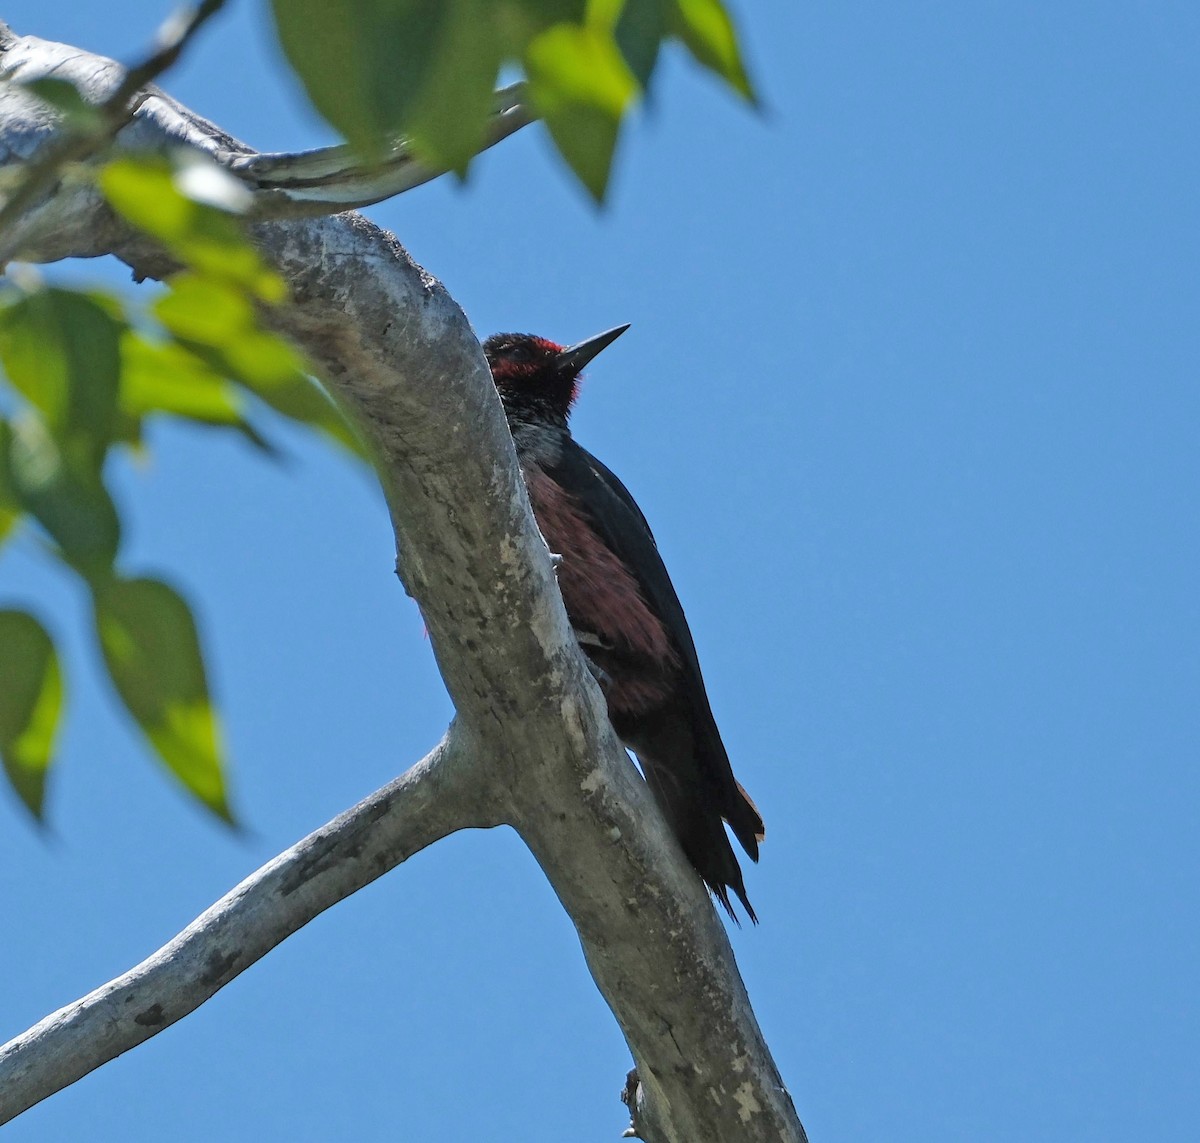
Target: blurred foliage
x=152, y=652
x=30, y=703
x=426, y=69
x=85, y=376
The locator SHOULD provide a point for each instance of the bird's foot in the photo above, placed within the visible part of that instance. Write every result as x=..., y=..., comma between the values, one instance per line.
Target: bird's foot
x=598, y=673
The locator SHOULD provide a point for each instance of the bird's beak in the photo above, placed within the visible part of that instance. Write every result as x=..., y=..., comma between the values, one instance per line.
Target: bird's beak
x=572, y=359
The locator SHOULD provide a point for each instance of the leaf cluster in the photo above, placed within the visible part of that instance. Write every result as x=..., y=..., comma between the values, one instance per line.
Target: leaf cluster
x=85, y=374
x=85, y=377
x=426, y=69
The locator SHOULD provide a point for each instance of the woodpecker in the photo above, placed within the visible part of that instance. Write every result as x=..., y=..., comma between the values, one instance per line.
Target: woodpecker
x=623, y=609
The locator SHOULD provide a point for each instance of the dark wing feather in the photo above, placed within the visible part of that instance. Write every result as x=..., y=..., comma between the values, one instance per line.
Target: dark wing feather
x=613, y=512
x=599, y=493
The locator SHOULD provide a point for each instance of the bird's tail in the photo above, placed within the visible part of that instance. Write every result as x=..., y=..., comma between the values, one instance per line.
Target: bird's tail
x=695, y=788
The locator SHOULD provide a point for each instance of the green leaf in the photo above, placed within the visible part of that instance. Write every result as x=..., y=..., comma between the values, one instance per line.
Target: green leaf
x=215, y=323
x=639, y=27
x=447, y=115
x=10, y=506
x=144, y=191
x=64, y=97
x=152, y=652
x=205, y=310
x=582, y=86
x=61, y=351
x=366, y=67
x=167, y=378
x=380, y=69
x=150, y=193
x=303, y=400
x=573, y=64
x=8, y=522
x=423, y=68
x=707, y=30
x=31, y=696
x=72, y=504
x=542, y=14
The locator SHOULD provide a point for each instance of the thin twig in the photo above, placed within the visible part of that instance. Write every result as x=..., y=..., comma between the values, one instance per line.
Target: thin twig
x=112, y=114
x=331, y=179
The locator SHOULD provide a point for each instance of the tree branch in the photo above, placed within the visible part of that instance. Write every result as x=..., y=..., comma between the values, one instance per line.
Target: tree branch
x=399, y=354
x=302, y=184
x=330, y=179
x=436, y=797
x=112, y=112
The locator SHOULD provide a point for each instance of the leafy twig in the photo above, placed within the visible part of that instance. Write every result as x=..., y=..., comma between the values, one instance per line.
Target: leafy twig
x=110, y=115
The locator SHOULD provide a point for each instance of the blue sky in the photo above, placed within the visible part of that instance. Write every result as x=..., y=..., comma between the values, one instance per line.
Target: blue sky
x=910, y=398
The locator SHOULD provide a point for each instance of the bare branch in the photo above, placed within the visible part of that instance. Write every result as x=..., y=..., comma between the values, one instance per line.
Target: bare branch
x=283, y=185
x=112, y=112
x=433, y=799
x=331, y=179
x=399, y=354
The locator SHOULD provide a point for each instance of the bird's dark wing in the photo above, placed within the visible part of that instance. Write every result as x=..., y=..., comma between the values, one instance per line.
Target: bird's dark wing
x=612, y=511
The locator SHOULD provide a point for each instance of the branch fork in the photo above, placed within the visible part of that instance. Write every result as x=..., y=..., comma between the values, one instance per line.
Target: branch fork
x=530, y=746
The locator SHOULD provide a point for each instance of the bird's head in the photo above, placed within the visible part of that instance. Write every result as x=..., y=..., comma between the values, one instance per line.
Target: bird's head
x=538, y=380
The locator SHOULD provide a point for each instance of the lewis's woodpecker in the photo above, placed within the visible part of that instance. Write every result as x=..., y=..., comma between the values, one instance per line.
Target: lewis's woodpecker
x=623, y=609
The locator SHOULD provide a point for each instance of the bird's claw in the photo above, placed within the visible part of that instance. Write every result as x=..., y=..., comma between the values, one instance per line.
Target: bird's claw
x=598, y=673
